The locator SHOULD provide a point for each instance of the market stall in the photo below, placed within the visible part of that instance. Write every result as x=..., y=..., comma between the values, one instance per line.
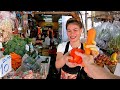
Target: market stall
x=108, y=39
x=28, y=57
x=20, y=57
x=30, y=68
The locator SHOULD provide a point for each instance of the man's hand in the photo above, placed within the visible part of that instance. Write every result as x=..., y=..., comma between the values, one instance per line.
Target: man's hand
x=88, y=61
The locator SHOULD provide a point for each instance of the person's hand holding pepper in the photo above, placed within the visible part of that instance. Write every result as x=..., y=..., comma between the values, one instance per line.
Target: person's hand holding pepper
x=76, y=60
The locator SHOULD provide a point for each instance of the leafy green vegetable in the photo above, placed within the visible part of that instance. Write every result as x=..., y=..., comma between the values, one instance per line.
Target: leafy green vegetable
x=114, y=43
x=17, y=45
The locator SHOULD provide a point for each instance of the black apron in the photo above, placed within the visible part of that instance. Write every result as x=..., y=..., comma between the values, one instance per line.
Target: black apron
x=77, y=72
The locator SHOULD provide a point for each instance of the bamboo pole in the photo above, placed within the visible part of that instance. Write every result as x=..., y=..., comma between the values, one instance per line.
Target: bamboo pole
x=92, y=19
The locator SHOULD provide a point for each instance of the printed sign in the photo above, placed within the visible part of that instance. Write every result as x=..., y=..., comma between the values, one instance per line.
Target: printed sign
x=5, y=65
x=27, y=47
x=1, y=45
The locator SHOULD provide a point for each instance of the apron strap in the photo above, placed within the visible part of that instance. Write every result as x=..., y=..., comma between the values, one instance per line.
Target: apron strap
x=67, y=47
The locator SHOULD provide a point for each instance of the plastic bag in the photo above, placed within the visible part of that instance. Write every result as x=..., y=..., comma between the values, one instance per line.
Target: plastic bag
x=105, y=32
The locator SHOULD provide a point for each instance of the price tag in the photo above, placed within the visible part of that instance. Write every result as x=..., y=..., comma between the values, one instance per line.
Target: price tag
x=1, y=45
x=5, y=65
x=27, y=47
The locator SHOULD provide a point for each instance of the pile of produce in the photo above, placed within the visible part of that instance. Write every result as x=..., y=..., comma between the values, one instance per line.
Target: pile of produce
x=23, y=75
x=17, y=45
x=6, y=25
x=103, y=59
x=16, y=60
x=114, y=43
x=31, y=69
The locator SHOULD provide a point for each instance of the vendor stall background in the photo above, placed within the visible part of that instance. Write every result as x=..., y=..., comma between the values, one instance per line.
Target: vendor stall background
x=107, y=25
x=64, y=34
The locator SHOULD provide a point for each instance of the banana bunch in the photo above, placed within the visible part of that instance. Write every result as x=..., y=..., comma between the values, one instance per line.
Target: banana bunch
x=113, y=58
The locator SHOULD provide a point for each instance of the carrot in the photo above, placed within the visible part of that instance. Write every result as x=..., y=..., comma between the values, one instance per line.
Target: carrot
x=14, y=55
x=90, y=38
x=16, y=60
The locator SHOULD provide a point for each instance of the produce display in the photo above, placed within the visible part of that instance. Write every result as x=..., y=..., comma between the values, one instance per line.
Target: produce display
x=108, y=40
x=6, y=25
x=114, y=43
x=17, y=45
x=103, y=59
x=16, y=60
x=31, y=69
x=23, y=75
x=28, y=64
x=76, y=59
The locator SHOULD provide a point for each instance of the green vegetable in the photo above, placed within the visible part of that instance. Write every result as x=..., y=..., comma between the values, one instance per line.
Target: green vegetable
x=17, y=45
x=114, y=43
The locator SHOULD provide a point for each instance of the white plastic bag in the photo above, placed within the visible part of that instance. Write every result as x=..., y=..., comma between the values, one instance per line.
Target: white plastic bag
x=105, y=32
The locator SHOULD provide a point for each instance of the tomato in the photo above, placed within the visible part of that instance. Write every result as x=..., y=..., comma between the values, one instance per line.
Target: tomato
x=73, y=51
x=76, y=59
x=71, y=60
x=79, y=61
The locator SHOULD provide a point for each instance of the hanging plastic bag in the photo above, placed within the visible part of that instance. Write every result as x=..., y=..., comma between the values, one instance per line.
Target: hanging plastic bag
x=105, y=32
